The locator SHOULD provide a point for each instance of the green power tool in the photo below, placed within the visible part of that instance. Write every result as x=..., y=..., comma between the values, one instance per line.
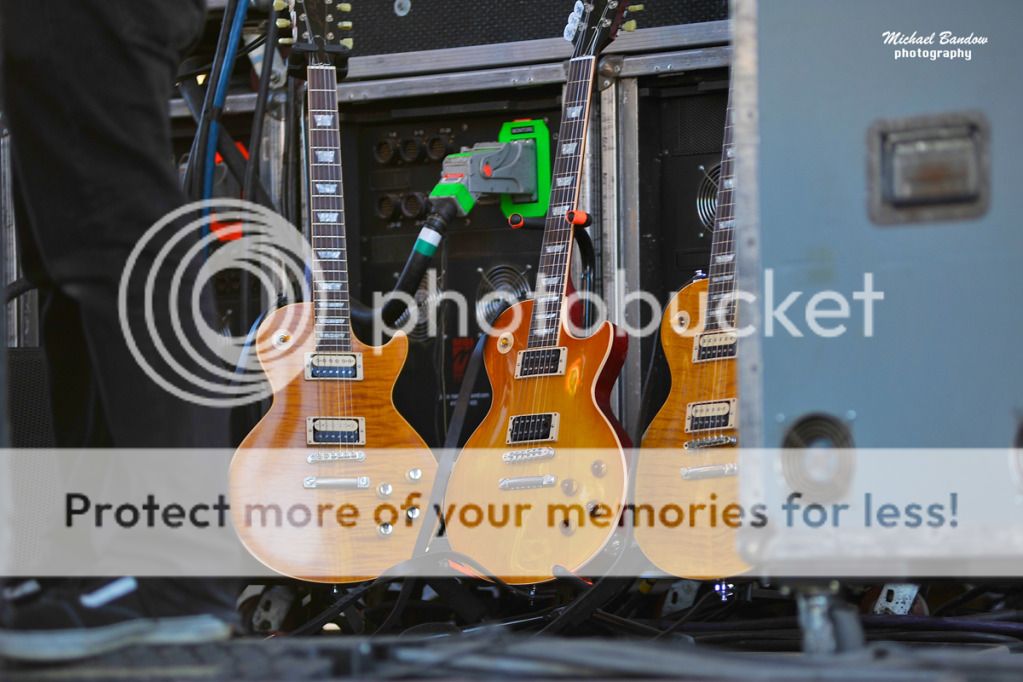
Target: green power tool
x=516, y=169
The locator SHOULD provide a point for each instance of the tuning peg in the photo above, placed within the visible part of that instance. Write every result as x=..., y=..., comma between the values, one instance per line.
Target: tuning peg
x=286, y=41
x=344, y=25
x=348, y=42
x=629, y=26
x=636, y=8
x=280, y=5
x=344, y=7
x=283, y=23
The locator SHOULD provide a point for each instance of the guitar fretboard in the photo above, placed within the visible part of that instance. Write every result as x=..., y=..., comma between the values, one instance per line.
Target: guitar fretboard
x=721, y=288
x=556, y=252
x=327, y=213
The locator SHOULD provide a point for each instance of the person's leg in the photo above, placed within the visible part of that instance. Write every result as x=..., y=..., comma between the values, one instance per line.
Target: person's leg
x=87, y=85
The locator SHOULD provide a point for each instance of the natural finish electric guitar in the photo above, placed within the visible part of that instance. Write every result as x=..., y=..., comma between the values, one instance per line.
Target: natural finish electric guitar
x=690, y=451
x=550, y=388
x=332, y=443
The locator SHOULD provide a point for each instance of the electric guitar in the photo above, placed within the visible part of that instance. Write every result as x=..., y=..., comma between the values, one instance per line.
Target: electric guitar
x=689, y=452
x=549, y=441
x=332, y=444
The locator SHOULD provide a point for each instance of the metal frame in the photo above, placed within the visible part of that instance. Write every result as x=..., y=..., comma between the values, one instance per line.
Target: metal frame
x=747, y=212
x=619, y=143
x=630, y=66
x=613, y=164
x=531, y=51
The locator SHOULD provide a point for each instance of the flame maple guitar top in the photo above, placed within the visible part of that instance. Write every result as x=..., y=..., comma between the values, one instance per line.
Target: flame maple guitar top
x=271, y=464
x=527, y=548
x=699, y=551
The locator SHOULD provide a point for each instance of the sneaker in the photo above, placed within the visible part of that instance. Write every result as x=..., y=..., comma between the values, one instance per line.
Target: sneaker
x=16, y=592
x=64, y=623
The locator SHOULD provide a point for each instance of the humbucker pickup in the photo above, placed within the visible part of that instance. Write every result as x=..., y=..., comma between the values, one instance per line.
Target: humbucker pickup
x=710, y=415
x=326, y=366
x=715, y=346
x=525, y=428
x=340, y=430
x=540, y=362
x=528, y=455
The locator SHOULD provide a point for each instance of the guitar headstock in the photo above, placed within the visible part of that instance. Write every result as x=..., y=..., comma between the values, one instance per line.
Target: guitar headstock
x=593, y=24
x=319, y=28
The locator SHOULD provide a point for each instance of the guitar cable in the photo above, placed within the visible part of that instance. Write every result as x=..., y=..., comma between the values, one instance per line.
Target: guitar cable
x=219, y=88
x=193, y=172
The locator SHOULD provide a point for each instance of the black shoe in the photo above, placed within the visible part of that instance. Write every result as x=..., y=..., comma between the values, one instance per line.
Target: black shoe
x=95, y=617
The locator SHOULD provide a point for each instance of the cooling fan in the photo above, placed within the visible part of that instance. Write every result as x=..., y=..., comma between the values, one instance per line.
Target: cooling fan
x=424, y=301
x=707, y=196
x=509, y=281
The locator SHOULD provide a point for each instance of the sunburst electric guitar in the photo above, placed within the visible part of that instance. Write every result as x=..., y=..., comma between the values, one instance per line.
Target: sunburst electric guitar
x=308, y=483
x=546, y=466
x=689, y=452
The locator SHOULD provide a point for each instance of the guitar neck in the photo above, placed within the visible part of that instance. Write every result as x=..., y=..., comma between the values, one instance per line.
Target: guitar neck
x=327, y=213
x=556, y=252
x=721, y=287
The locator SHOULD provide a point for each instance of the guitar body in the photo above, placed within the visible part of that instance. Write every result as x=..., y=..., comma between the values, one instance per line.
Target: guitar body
x=271, y=463
x=527, y=552
x=700, y=551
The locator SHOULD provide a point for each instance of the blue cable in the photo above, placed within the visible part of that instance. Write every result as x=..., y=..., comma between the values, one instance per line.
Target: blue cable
x=219, y=98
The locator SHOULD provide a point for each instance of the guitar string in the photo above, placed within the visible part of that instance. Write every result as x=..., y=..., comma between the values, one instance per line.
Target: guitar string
x=721, y=291
x=339, y=396
x=559, y=233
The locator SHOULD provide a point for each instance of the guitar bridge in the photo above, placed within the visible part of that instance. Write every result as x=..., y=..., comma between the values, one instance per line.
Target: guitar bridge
x=710, y=471
x=711, y=442
x=528, y=482
x=336, y=456
x=351, y=483
x=528, y=455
